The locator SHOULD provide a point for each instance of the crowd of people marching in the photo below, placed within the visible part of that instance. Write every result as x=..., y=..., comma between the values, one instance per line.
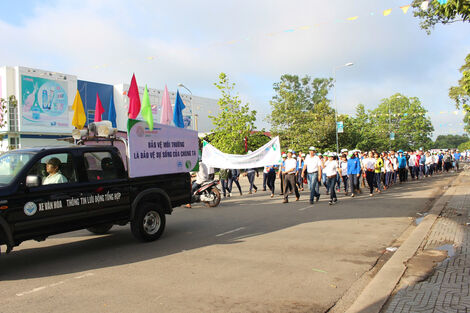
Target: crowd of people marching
x=349, y=171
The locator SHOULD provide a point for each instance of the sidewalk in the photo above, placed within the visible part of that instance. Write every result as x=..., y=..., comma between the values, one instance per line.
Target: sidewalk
x=447, y=288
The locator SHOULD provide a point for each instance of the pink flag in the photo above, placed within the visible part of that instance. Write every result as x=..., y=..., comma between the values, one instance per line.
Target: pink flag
x=99, y=110
x=167, y=112
x=134, y=99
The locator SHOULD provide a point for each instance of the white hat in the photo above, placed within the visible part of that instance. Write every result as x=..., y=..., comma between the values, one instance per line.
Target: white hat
x=294, y=156
x=312, y=148
x=344, y=150
x=331, y=154
x=290, y=150
x=284, y=155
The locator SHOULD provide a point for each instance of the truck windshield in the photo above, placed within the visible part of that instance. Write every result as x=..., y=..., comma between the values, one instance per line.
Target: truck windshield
x=11, y=164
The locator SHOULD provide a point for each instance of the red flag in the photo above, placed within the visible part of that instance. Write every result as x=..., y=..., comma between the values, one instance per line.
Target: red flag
x=98, y=109
x=134, y=99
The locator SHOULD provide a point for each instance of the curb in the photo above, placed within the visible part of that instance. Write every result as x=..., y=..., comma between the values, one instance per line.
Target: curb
x=377, y=292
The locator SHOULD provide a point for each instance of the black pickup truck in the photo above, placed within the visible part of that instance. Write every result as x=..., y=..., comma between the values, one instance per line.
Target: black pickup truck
x=93, y=191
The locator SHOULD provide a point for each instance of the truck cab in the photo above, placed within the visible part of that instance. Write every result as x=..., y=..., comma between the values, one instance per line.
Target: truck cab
x=90, y=189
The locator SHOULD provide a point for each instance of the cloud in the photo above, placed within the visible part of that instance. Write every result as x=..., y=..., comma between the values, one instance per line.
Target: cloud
x=193, y=41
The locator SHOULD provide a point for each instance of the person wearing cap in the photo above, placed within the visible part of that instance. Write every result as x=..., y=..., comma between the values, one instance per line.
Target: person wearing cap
x=457, y=158
x=379, y=164
x=388, y=171
x=343, y=170
x=281, y=170
x=265, y=177
x=300, y=165
x=422, y=164
x=290, y=166
x=331, y=171
x=312, y=170
x=354, y=171
x=401, y=166
x=411, y=164
x=369, y=169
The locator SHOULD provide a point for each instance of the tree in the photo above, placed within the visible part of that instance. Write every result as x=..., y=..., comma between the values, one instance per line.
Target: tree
x=406, y=118
x=436, y=13
x=301, y=113
x=461, y=93
x=449, y=141
x=464, y=146
x=234, y=122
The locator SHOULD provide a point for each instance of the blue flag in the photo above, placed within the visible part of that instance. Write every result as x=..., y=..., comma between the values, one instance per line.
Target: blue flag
x=112, y=112
x=178, y=111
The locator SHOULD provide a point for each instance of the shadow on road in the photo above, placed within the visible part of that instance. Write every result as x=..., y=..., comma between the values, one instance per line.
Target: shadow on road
x=199, y=227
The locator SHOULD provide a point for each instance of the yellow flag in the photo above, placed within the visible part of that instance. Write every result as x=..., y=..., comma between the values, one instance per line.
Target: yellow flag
x=79, y=117
x=405, y=8
x=352, y=18
x=387, y=12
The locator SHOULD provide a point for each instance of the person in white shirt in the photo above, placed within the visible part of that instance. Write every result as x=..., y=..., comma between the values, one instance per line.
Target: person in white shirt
x=411, y=164
x=369, y=168
x=331, y=170
x=343, y=168
x=290, y=169
x=313, y=171
x=55, y=176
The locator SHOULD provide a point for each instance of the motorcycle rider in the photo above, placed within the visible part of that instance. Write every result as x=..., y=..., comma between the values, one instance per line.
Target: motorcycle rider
x=202, y=176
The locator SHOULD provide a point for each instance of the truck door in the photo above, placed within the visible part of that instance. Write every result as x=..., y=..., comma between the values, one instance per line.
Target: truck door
x=52, y=205
x=107, y=189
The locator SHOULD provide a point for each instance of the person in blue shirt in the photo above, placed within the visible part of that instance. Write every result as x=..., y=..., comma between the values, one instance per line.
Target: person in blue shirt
x=457, y=157
x=354, y=170
x=401, y=166
x=422, y=164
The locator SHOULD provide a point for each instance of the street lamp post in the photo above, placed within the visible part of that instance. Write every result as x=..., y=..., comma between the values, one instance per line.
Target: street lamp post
x=192, y=108
x=390, y=125
x=334, y=100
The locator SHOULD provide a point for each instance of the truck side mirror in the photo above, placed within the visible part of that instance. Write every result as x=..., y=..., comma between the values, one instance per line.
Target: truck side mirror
x=33, y=181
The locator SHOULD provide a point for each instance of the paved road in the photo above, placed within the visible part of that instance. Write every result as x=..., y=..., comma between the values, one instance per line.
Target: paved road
x=251, y=254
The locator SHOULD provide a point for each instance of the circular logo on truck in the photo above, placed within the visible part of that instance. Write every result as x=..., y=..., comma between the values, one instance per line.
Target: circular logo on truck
x=30, y=208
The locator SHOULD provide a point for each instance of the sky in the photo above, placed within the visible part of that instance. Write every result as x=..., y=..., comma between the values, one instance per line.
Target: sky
x=253, y=41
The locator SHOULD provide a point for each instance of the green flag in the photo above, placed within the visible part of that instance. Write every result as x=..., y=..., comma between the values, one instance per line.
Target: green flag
x=146, y=110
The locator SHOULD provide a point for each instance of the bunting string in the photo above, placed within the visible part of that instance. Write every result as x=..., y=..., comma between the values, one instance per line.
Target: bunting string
x=424, y=6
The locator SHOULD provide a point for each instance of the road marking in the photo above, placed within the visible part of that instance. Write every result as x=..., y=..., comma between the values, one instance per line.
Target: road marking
x=52, y=285
x=230, y=231
x=303, y=209
x=84, y=275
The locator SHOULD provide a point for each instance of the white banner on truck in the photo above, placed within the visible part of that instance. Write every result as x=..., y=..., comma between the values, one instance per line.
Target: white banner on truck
x=164, y=150
x=269, y=154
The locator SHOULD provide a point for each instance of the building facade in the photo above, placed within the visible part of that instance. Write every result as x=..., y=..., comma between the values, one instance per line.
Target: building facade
x=39, y=110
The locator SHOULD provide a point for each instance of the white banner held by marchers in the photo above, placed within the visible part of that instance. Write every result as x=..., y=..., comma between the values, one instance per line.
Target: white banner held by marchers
x=269, y=154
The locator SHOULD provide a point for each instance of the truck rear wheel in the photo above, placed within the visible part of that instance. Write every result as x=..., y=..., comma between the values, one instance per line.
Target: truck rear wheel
x=100, y=229
x=148, y=223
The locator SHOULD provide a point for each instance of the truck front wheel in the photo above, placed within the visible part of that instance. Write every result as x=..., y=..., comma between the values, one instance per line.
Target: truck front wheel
x=148, y=223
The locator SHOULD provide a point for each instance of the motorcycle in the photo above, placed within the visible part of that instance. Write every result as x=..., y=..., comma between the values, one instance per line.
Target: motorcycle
x=207, y=193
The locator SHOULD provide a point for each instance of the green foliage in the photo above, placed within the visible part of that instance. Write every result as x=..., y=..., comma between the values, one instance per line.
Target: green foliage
x=257, y=139
x=234, y=122
x=3, y=111
x=452, y=11
x=301, y=115
x=449, y=141
x=464, y=146
x=403, y=116
x=461, y=94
